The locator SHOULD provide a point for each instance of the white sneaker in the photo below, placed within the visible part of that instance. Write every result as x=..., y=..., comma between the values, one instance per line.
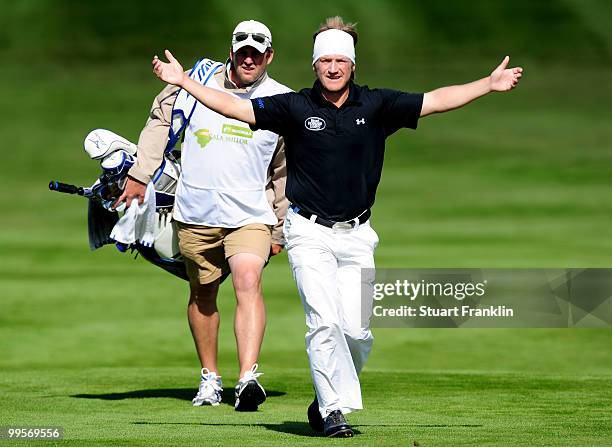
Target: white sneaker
x=210, y=389
x=249, y=393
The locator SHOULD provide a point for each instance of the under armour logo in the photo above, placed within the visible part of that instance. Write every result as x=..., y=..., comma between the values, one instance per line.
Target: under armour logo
x=360, y=121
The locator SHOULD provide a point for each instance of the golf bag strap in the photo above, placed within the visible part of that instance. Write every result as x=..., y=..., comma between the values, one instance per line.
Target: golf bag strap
x=185, y=104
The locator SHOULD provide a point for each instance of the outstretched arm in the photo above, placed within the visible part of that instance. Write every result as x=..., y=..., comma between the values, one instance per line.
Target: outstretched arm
x=227, y=105
x=444, y=99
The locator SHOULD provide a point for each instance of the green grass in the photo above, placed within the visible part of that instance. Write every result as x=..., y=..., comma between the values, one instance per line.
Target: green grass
x=115, y=366
x=150, y=406
x=98, y=343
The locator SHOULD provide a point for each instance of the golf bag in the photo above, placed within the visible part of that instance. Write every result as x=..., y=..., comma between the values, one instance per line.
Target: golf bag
x=116, y=156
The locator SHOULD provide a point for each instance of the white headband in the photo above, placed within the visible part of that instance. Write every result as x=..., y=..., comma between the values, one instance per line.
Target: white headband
x=333, y=41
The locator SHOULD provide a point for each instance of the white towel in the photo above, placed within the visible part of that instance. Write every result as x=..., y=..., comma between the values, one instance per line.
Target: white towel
x=138, y=222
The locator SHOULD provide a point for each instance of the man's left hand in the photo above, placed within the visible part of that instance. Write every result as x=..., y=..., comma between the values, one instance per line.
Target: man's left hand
x=275, y=249
x=504, y=79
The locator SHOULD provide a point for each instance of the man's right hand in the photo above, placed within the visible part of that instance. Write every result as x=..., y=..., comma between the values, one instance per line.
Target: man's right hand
x=133, y=190
x=171, y=71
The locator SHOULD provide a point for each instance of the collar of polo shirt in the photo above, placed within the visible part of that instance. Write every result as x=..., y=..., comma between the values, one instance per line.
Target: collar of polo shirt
x=317, y=96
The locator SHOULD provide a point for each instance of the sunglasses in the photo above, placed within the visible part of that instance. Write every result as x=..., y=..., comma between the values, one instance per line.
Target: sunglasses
x=259, y=38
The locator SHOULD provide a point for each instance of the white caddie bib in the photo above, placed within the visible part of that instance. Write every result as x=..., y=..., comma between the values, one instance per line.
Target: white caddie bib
x=224, y=163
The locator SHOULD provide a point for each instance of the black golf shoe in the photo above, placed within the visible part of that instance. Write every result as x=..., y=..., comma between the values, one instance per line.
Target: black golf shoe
x=335, y=426
x=249, y=392
x=314, y=416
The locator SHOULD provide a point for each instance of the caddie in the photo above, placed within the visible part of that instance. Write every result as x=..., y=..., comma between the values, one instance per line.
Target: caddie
x=225, y=223
x=335, y=134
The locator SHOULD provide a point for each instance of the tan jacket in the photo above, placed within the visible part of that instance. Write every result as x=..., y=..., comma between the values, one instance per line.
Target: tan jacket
x=154, y=136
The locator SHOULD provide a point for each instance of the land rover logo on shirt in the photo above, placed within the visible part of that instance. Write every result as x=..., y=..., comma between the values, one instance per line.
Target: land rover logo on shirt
x=314, y=123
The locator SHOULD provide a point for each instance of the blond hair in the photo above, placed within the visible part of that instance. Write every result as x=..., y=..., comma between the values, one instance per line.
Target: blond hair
x=337, y=22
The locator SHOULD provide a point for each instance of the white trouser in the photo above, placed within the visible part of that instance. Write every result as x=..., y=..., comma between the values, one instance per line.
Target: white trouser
x=327, y=267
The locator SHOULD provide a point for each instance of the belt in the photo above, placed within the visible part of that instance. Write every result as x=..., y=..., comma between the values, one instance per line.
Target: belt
x=363, y=217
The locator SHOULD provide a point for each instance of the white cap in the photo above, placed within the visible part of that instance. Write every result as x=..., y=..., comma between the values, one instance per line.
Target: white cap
x=251, y=33
x=333, y=41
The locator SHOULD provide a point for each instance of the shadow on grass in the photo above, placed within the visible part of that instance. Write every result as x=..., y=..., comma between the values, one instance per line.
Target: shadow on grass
x=172, y=393
x=297, y=428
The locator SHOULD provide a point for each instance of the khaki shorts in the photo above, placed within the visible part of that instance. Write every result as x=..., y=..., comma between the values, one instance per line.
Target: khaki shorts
x=207, y=249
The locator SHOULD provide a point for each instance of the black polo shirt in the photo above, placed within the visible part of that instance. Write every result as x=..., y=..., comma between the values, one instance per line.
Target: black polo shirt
x=335, y=155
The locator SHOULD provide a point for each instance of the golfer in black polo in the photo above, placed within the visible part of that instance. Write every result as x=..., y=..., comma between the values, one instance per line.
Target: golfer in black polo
x=335, y=139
